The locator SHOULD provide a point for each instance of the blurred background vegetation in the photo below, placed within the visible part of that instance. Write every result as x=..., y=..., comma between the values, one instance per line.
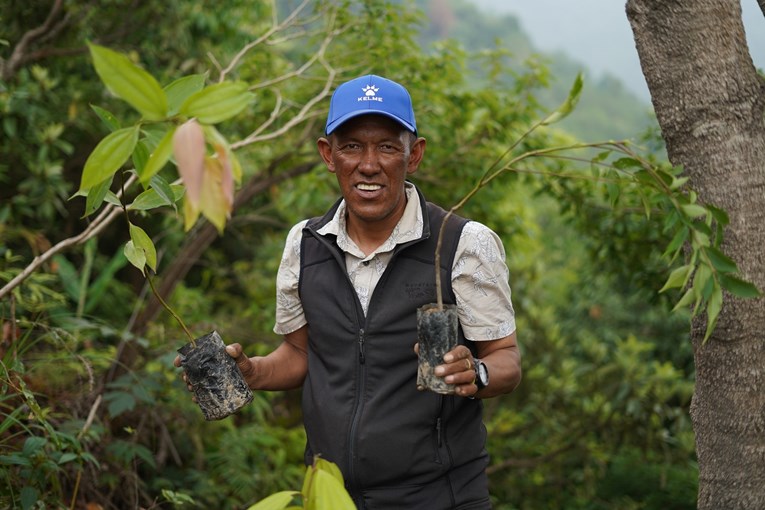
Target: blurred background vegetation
x=92, y=412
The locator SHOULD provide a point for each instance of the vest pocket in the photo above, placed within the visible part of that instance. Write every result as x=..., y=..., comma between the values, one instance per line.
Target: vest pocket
x=437, y=441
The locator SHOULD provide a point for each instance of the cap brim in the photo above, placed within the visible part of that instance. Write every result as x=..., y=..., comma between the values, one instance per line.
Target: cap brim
x=348, y=116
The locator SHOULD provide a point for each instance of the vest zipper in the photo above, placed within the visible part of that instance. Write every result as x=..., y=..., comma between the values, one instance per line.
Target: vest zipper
x=361, y=346
x=358, y=407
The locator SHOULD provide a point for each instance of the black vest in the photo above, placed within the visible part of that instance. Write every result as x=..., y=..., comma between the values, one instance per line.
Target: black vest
x=397, y=447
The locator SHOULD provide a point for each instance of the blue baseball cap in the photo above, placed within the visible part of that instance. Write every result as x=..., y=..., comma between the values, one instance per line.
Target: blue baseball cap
x=370, y=94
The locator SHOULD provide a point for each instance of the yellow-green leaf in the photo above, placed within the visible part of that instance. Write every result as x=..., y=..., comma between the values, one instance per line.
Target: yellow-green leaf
x=221, y=144
x=217, y=102
x=135, y=256
x=327, y=493
x=108, y=156
x=329, y=467
x=214, y=201
x=142, y=242
x=276, y=501
x=678, y=277
x=693, y=210
x=190, y=214
x=158, y=157
x=129, y=82
x=178, y=91
x=686, y=300
x=569, y=104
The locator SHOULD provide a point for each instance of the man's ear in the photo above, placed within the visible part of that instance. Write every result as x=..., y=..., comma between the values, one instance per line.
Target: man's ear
x=416, y=152
x=325, y=151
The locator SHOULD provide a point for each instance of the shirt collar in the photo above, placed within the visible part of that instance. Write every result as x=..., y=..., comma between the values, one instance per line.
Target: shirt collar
x=408, y=228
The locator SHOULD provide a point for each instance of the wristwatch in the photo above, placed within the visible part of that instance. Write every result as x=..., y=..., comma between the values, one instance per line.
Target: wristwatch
x=481, y=374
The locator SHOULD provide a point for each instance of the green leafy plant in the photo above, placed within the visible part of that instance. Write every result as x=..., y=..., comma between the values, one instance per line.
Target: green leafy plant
x=707, y=272
x=177, y=123
x=323, y=489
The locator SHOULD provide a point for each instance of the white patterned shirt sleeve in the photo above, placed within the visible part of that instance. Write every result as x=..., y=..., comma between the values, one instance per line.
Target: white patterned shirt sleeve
x=480, y=283
x=289, y=309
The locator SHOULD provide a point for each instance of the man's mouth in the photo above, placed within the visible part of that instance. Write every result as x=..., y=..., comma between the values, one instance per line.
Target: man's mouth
x=368, y=187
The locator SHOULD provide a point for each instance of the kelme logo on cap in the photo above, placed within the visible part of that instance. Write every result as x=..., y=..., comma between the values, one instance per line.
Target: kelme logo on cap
x=370, y=94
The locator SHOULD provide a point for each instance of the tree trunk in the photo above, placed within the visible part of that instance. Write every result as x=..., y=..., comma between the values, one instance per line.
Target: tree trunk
x=709, y=102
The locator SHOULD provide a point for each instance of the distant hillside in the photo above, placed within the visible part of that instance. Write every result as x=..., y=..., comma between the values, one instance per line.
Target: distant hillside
x=607, y=110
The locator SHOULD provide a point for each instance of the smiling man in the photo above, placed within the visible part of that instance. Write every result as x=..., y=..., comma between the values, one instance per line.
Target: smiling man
x=348, y=289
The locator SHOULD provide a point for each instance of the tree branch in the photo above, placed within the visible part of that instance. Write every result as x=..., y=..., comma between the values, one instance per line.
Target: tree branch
x=8, y=68
x=104, y=218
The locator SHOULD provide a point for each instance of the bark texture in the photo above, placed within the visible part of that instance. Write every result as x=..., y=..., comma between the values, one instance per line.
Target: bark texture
x=709, y=102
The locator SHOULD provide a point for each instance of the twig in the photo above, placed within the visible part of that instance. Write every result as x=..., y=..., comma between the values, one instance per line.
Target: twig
x=19, y=52
x=93, y=229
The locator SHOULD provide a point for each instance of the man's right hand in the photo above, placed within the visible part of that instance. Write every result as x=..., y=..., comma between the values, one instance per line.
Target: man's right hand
x=245, y=364
x=235, y=351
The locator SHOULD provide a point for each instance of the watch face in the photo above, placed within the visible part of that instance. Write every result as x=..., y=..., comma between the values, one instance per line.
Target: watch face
x=483, y=373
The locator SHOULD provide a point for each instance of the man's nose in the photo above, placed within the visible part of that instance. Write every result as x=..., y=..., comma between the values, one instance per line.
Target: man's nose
x=369, y=160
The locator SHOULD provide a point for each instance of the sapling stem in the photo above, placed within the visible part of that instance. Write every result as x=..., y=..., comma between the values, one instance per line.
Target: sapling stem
x=170, y=310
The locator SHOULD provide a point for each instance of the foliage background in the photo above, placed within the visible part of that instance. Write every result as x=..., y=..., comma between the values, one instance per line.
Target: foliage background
x=92, y=411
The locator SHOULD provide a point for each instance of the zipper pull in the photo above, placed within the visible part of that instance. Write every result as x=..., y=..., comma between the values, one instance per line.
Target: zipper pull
x=361, y=346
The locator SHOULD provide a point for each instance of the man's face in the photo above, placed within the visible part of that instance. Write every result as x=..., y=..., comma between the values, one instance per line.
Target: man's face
x=371, y=155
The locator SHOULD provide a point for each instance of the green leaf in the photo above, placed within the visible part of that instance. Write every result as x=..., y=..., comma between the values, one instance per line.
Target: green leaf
x=140, y=156
x=721, y=262
x=678, y=277
x=96, y=196
x=120, y=402
x=677, y=183
x=135, y=256
x=108, y=156
x=112, y=123
x=688, y=298
x=67, y=457
x=714, y=305
x=693, y=210
x=178, y=91
x=739, y=287
x=159, y=157
x=129, y=82
x=28, y=496
x=167, y=191
x=151, y=198
x=719, y=215
x=569, y=104
x=625, y=163
x=700, y=279
x=143, y=242
x=277, y=501
x=676, y=243
x=217, y=102
x=111, y=198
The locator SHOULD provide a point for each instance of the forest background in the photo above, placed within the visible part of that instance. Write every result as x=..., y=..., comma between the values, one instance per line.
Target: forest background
x=92, y=411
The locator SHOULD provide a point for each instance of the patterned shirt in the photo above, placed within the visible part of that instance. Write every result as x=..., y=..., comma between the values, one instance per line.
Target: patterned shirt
x=479, y=275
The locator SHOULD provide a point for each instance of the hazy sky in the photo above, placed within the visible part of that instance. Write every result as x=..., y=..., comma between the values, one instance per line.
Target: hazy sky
x=597, y=33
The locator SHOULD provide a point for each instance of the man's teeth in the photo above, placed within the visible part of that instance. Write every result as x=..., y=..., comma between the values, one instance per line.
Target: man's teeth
x=368, y=187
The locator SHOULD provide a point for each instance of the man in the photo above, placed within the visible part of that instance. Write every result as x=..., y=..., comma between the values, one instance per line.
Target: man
x=348, y=289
